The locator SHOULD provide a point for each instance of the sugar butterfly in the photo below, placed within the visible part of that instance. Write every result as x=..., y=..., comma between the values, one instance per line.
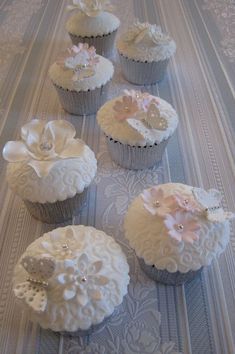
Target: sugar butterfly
x=33, y=290
x=210, y=201
x=146, y=122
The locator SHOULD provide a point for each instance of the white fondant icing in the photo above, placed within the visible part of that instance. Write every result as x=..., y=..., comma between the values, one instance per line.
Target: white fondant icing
x=146, y=42
x=121, y=131
x=81, y=25
x=63, y=77
x=148, y=237
x=82, y=290
x=65, y=179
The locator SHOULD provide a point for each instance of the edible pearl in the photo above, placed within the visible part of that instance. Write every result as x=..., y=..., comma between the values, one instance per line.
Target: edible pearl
x=180, y=227
x=84, y=279
x=186, y=201
x=156, y=203
x=126, y=109
x=65, y=246
x=45, y=146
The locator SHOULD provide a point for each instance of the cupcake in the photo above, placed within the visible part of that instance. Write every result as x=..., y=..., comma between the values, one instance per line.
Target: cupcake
x=93, y=23
x=176, y=230
x=144, y=53
x=50, y=169
x=81, y=79
x=71, y=279
x=137, y=127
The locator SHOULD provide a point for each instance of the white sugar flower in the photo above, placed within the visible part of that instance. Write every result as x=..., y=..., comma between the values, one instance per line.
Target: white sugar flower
x=43, y=144
x=82, y=280
x=91, y=8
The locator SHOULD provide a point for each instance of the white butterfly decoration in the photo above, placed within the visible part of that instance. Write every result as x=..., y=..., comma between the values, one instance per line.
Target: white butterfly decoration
x=210, y=201
x=145, y=123
x=33, y=290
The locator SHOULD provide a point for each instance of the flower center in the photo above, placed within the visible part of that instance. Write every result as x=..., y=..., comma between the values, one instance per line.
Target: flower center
x=179, y=227
x=156, y=203
x=45, y=146
x=84, y=279
x=186, y=201
x=65, y=246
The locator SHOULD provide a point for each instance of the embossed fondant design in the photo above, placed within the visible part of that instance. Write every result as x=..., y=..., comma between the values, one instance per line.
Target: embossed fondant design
x=150, y=238
x=84, y=290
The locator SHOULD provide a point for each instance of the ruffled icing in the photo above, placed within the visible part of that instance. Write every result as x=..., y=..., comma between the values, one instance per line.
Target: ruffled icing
x=122, y=131
x=150, y=238
x=81, y=25
x=63, y=77
x=89, y=281
x=146, y=42
x=65, y=179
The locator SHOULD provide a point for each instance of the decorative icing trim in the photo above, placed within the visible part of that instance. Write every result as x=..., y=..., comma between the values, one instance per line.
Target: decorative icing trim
x=33, y=290
x=43, y=144
x=91, y=8
x=81, y=59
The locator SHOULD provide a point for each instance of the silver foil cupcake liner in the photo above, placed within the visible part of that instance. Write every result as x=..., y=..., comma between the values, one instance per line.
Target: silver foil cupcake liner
x=167, y=278
x=82, y=102
x=92, y=329
x=136, y=157
x=143, y=73
x=103, y=44
x=58, y=212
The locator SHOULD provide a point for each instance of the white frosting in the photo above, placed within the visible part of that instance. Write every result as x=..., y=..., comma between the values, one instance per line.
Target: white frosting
x=149, y=239
x=81, y=25
x=63, y=77
x=121, y=131
x=71, y=315
x=145, y=42
x=66, y=178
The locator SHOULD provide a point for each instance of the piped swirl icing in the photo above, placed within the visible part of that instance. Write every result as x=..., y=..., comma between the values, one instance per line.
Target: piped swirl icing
x=169, y=228
x=88, y=282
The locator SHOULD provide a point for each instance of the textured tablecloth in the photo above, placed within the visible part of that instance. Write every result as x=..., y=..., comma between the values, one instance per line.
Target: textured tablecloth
x=198, y=317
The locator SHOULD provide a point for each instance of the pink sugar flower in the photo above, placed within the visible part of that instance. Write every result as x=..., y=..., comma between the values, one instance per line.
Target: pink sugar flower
x=186, y=202
x=182, y=227
x=156, y=203
x=125, y=108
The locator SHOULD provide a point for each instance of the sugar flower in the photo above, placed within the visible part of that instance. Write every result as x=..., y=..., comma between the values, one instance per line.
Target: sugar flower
x=125, y=108
x=182, y=227
x=155, y=202
x=186, y=202
x=43, y=144
x=143, y=98
x=91, y=8
x=82, y=280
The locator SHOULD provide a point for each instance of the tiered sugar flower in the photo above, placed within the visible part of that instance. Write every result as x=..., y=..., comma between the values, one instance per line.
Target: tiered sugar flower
x=91, y=8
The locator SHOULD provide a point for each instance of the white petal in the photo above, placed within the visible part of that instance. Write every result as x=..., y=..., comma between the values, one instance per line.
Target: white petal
x=61, y=278
x=15, y=151
x=69, y=294
x=73, y=148
x=42, y=168
x=61, y=131
x=82, y=299
x=95, y=294
x=31, y=132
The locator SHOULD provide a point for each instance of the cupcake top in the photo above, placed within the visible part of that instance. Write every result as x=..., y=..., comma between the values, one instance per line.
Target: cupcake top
x=48, y=164
x=145, y=42
x=71, y=278
x=176, y=227
x=93, y=18
x=79, y=68
x=137, y=119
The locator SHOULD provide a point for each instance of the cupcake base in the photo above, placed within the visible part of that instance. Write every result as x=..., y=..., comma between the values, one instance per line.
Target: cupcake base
x=167, y=278
x=103, y=44
x=135, y=157
x=83, y=102
x=143, y=73
x=58, y=212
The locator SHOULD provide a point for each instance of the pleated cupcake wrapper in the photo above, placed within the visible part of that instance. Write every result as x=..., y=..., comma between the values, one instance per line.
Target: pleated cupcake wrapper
x=92, y=329
x=59, y=211
x=141, y=73
x=82, y=102
x=167, y=278
x=135, y=157
x=103, y=44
